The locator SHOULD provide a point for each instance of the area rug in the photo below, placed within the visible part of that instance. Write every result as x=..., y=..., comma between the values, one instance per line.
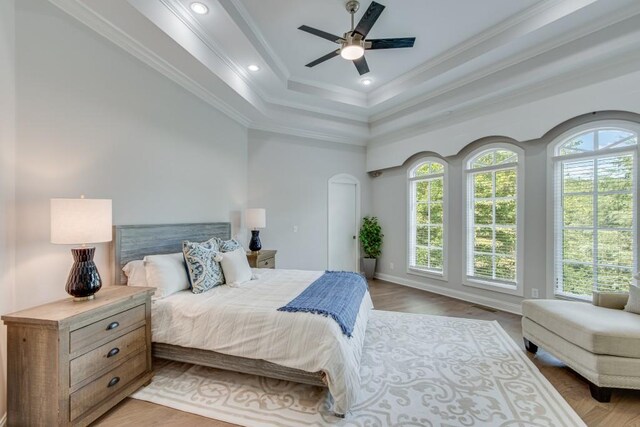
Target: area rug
x=417, y=370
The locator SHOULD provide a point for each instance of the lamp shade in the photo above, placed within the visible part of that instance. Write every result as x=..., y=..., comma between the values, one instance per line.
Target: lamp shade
x=255, y=218
x=80, y=221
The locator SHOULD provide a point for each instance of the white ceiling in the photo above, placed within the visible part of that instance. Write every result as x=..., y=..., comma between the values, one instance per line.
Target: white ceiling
x=469, y=55
x=437, y=25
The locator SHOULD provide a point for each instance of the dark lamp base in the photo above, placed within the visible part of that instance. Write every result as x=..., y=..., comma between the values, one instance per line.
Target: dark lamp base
x=255, y=245
x=84, y=280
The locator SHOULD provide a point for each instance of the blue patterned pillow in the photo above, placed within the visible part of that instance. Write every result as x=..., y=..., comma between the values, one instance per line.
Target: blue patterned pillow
x=204, y=271
x=229, y=245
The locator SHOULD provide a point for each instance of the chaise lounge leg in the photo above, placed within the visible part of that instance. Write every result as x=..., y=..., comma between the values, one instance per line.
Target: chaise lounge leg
x=601, y=394
x=531, y=347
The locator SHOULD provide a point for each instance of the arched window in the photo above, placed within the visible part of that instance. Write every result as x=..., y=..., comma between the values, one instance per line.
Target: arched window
x=427, y=218
x=594, y=188
x=494, y=218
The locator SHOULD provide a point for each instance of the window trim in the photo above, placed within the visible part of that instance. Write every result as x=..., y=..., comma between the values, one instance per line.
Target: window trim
x=553, y=158
x=492, y=285
x=445, y=220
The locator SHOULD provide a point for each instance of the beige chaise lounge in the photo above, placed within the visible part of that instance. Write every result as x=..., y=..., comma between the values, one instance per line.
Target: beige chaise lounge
x=600, y=341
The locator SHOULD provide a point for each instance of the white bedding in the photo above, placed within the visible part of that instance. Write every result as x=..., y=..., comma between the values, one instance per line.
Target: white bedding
x=244, y=321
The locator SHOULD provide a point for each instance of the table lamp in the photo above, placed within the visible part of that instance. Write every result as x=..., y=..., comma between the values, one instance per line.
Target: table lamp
x=81, y=221
x=255, y=219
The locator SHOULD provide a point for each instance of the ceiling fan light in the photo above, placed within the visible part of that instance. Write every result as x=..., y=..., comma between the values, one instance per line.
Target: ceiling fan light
x=352, y=52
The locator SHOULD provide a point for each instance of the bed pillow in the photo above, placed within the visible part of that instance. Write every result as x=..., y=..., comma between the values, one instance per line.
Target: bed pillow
x=136, y=273
x=230, y=245
x=633, y=305
x=203, y=264
x=167, y=273
x=236, y=267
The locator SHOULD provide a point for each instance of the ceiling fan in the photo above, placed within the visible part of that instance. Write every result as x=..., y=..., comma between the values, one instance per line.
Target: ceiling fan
x=353, y=43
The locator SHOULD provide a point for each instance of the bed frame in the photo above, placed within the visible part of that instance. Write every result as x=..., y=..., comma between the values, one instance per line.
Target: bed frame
x=134, y=242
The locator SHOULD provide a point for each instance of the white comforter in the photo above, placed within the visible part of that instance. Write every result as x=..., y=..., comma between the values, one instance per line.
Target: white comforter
x=244, y=321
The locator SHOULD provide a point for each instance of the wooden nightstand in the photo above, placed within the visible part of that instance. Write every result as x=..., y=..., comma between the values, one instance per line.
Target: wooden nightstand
x=70, y=362
x=262, y=259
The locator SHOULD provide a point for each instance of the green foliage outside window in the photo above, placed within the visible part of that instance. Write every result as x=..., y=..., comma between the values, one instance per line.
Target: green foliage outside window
x=597, y=223
x=428, y=217
x=494, y=217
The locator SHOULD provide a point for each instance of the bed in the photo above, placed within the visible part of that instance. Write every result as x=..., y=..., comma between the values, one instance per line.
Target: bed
x=239, y=328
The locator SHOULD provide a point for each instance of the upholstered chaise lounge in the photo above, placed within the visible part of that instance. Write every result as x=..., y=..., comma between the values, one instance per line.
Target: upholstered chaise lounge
x=599, y=341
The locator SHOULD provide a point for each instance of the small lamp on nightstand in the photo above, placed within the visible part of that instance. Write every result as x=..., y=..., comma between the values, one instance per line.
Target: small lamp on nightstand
x=81, y=221
x=255, y=219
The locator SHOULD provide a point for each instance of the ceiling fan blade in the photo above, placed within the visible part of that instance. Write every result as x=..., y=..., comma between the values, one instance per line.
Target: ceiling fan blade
x=392, y=43
x=323, y=58
x=361, y=65
x=369, y=18
x=320, y=33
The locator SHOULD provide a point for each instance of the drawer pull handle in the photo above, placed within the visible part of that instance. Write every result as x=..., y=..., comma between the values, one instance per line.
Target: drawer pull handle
x=113, y=352
x=114, y=381
x=112, y=325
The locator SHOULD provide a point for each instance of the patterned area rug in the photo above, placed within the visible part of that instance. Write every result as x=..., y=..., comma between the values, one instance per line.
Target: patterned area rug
x=417, y=370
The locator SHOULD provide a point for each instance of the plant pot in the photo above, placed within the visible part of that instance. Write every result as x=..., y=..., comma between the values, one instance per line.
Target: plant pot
x=369, y=266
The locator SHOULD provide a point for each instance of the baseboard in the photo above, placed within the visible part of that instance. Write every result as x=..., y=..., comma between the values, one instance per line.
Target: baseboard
x=461, y=295
x=3, y=420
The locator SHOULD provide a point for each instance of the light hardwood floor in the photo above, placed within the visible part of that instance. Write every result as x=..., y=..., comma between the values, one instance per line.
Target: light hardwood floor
x=624, y=409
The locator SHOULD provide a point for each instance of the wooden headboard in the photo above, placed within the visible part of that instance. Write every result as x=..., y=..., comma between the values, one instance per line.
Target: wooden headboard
x=132, y=242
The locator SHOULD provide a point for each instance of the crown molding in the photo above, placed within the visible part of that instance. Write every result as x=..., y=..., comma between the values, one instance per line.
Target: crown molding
x=241, y=16
x=95, y=22
x=531, y=19
x=328, y=91
x=322, y=136
x=84, y=14
x=180, y=12
x=268, y=101
x=600, y=71
x=534, y=52
x=423, y=112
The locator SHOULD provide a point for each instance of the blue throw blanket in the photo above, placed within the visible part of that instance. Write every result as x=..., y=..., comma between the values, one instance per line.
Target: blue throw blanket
x=337, y=294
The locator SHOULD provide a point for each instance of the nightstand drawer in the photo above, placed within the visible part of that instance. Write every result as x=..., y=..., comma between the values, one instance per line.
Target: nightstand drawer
x=104, y=329
x=262, y=259
x=106, y=356
x=107, y=385
x=266, y=263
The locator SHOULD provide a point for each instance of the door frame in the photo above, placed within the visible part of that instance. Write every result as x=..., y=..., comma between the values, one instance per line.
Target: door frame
x=343, y=178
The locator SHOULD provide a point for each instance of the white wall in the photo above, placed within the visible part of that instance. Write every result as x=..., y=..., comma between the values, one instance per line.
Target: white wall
x=289, y=177
x=93, y=120
x=389, y=195
x=522, y=118
x=7, y=146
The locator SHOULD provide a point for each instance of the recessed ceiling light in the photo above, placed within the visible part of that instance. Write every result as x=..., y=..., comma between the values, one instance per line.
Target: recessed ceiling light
x=199, y=8
x=366, y=82
x=253, y=67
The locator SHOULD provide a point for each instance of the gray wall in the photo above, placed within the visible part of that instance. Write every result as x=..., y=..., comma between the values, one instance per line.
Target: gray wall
x=389, y=195
x=93, y=120
x=289, y=178
x=7, y=147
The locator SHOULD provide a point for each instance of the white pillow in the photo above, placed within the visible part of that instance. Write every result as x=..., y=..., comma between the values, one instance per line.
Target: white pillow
x=166, y=273
x=236, y=267
x=136, y=273
x=633, y=305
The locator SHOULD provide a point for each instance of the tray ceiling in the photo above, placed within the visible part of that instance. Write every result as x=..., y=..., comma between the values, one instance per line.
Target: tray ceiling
x=468, y=55
x=437, y=25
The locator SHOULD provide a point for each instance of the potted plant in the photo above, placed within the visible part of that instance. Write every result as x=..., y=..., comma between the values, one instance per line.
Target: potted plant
x=371, y=239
